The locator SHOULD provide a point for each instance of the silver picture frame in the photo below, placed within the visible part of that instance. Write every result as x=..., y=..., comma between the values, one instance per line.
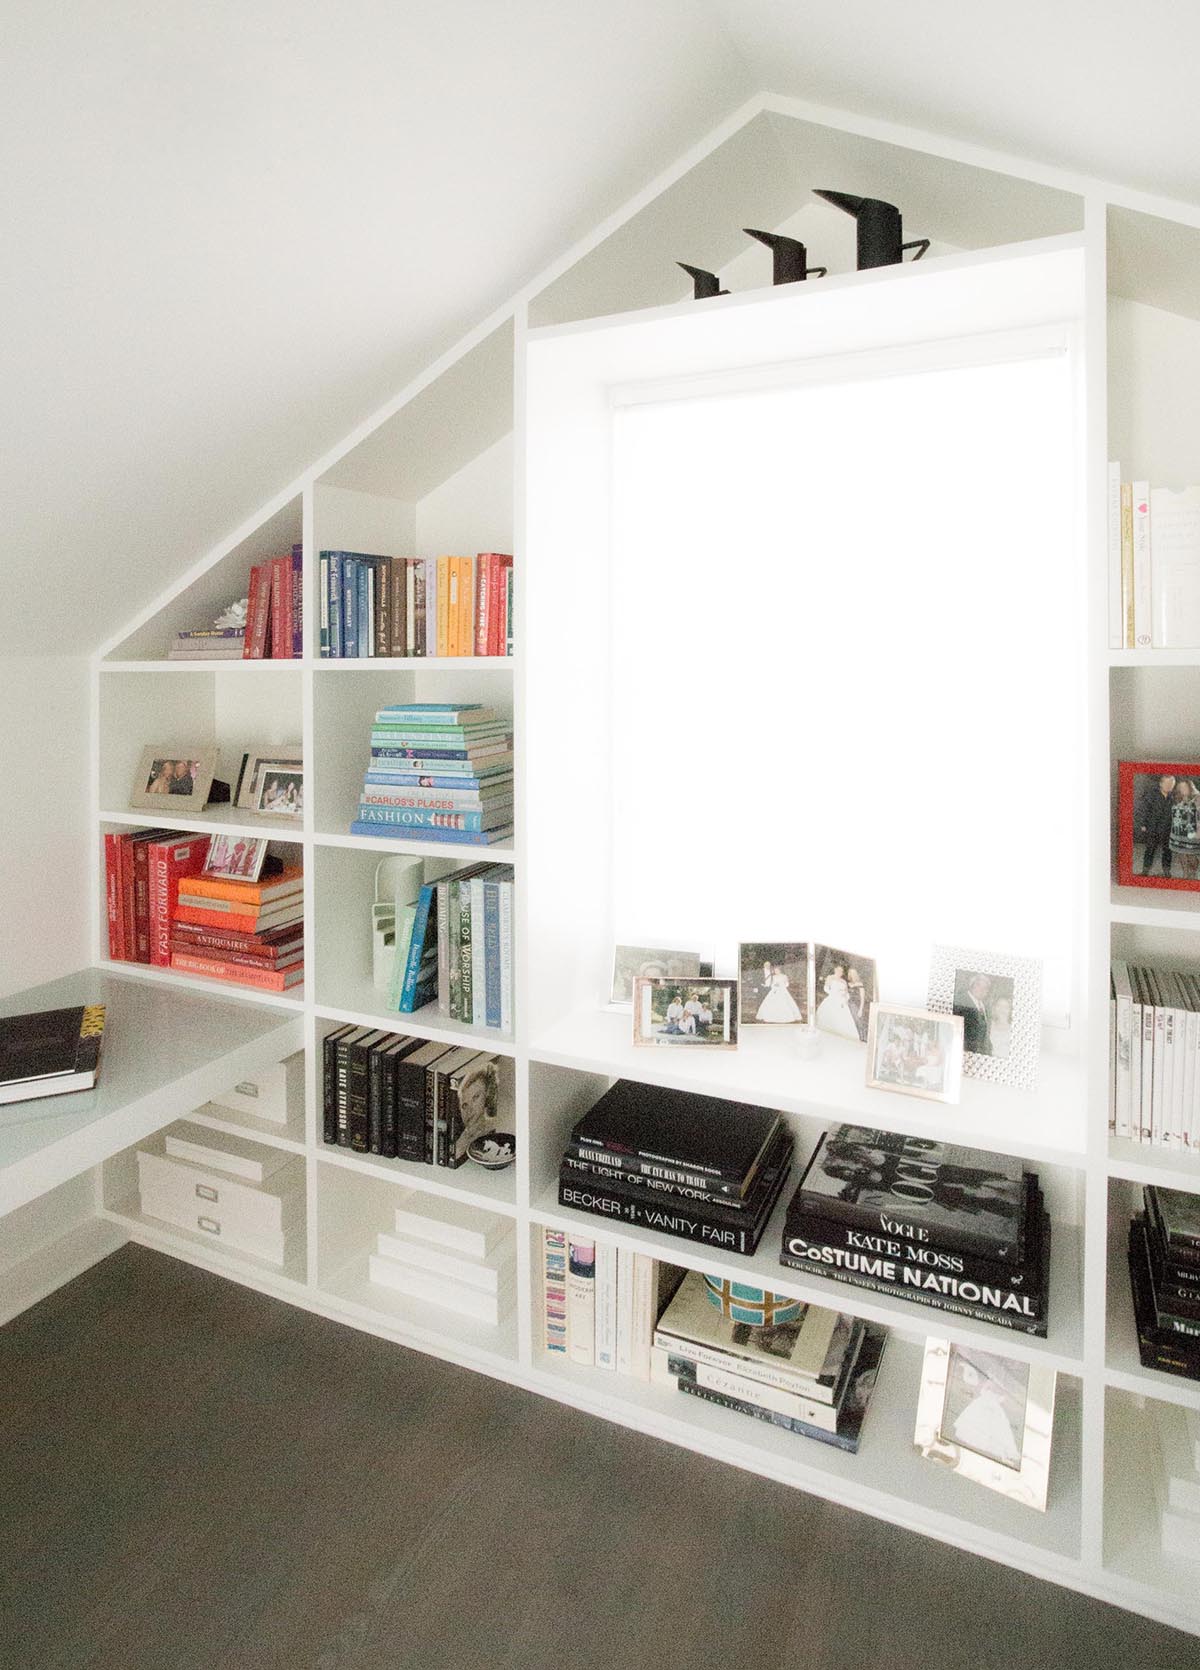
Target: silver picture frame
x=988, y=1418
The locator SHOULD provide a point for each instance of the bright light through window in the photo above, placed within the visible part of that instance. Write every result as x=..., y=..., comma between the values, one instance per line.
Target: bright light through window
x=845, y=675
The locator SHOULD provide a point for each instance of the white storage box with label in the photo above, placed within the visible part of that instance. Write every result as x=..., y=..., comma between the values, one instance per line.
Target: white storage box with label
x=257, y=1218
x=268, y=1093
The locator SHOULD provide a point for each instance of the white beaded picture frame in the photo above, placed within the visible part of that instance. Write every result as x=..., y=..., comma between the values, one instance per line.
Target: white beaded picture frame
x=1000, y=1001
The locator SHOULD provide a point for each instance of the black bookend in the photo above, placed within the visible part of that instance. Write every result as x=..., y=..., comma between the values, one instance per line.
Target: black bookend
x=789, y=258
x=704, y=284
x=880, y=235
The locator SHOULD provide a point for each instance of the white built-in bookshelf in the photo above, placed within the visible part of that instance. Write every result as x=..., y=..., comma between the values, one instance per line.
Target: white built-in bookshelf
x=501, y=445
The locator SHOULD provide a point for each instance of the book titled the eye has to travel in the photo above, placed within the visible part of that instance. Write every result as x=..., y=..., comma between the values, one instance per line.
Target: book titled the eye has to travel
x=53, y=1053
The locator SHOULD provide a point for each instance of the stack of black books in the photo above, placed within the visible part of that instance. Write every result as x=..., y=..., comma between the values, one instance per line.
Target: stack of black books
x=694, y=1166
x=954, y=1228
x=1164, y=1267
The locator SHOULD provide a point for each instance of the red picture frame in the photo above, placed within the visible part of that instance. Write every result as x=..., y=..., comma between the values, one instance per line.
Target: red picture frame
x=1131, y=835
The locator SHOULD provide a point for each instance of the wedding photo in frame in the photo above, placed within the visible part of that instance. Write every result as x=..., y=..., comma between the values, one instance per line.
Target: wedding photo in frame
x=916, y=1052
x=999, y=1000
x=652, y=962
x=772, y=983
x=685, y=1014
x=1158, y=824
x=988, y=1418
x=174, y=779
x=844, y=986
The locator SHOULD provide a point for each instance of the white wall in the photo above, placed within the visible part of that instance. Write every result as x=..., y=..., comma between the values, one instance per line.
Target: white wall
x=45, y=839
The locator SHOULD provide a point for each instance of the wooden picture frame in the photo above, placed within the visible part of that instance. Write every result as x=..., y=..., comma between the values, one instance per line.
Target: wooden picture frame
x=174, y=780
x=1158, y=826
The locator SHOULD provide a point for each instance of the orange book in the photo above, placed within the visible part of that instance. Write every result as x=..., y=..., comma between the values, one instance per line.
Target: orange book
x=443, y=604
x=237, y=923
x=466, y=606
x=452, y=607
x=253, y=893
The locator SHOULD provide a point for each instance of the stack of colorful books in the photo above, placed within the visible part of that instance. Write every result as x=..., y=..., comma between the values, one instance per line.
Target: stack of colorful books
x=439, y=773
x=248, y=933
x=954, y=1228
x=1164, y=1266
x=694, y=1166
x=812, y=1374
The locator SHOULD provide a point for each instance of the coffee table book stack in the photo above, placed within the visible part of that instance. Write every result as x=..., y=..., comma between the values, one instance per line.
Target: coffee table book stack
x=1164, y=1270
x=953, y=1228
x=694, y=1166
x=448, y=1255
x=812, y=1375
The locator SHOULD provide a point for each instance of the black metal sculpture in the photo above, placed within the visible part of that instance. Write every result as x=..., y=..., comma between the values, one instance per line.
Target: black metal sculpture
x=880, y=237
x=704, y=283
x=789, y=263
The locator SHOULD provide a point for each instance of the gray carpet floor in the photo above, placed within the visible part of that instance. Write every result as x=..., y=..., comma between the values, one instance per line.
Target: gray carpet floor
x=195, y=1477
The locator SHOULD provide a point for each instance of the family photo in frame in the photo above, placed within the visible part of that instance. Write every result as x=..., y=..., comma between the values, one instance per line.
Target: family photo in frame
x=700, y=1014
x=915, y=1051
x=1158, y=824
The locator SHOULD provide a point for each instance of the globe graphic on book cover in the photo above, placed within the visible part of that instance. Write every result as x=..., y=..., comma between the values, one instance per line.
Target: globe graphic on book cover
x=755, y=1305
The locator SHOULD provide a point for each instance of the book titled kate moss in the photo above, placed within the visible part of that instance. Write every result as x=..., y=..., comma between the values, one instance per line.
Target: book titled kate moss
x=696, y=1136
x=53, y=1053
x=930, y=1192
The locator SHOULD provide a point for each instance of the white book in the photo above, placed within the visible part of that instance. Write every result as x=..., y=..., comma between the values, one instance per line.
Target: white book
x=606, y=1305
x=1123, y=1048
x=581, y=1301
x=433, y=1290
x=1178, y=1457
x=1147, y=1109
x=643, y=1320
x=1143, y=591
x=447, y=1223
x=1175, y=566
x=1191, y=1026
x=1116, y=621
x=1158, y=1058
x=625, y=1257
x=1112, y=1066
x=506, y=971
x=488, y=1277
x=1135, y=1061
x=226, y=1153
x=478, y=956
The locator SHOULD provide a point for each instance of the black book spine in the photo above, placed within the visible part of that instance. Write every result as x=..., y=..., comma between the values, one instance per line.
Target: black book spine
x=652, y=1214
x=410, y=1111
x=375, y=1097
x=390, y=1065
x=441, y=1097
x=1158, y=1347
x=841, y=1441
x=343, y=1093
x=1183, y=1249
x=429, y=1141
x=1023, y=1312
x=646, y=1165
x=329, y=1089
x=358, y=1113
x=593, y=1169
x=837, y=1238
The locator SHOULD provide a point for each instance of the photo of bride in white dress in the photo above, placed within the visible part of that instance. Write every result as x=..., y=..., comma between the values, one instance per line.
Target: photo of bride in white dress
x=772, y=984
x=845, y=989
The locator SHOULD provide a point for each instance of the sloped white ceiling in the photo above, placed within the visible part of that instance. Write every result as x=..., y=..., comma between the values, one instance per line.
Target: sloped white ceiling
x=1107, y=87
x=230, y=230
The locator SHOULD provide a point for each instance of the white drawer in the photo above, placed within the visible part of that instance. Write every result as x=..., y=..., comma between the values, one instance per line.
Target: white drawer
x=172, y=1208
x=255, y=1210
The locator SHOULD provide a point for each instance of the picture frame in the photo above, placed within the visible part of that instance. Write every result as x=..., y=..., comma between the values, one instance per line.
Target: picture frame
x=235, y=858
x=773, y=982
x=915, y=1052
x=844, y=986
x=280, y=790
x=652, y=962
x=1158, y=824
x=685, y=1014
x=988, y=1418
x=288, y=756
x=174, y=779
x=1000, y=1001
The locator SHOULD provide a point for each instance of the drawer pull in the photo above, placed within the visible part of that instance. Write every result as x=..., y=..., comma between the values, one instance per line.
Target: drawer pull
x=204, y=1192
x=209, y=1224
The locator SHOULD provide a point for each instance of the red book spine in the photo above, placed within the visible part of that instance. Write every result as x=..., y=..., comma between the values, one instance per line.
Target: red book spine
x=141, y=898
x=128, y=913
x=219, y=969
x=186, y=937
x=262, y=613
x=181, y=947
x=168, y=860
x=112, y=894
x=496, y=623
x=281, y=629
x=251, y=600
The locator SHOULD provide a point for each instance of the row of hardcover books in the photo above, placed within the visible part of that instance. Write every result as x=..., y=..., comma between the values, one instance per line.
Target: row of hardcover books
x=1155, y=1053
x=1164, y=1270
x=414, y=606
x=408, y=1099
x=454, y=947
x=1153, y=564
x=438, y=773
x=951, y=1228
x=274, y=629
x=142, y=870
